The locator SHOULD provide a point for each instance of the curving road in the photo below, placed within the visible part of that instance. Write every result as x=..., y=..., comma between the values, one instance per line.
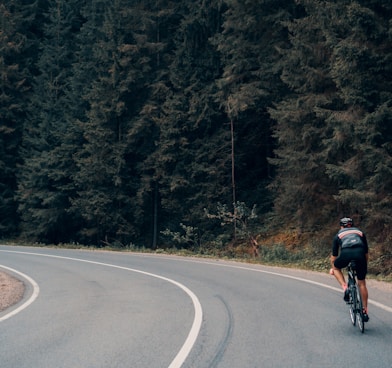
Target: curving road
x=98, y=309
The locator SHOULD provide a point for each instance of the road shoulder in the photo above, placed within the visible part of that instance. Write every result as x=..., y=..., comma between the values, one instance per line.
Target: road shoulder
x=11, y=290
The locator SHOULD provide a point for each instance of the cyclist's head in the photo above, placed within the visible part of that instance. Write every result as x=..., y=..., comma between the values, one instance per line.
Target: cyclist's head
x=346, y=222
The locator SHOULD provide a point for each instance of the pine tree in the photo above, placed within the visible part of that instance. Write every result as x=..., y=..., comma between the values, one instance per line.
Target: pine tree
x=252, y=33
x=45, y=181
x=14, y=87
x=303, y=190
x=106, y=180
x=329, y=128
x=191, y=156
x=361, y=128
x=160, y=20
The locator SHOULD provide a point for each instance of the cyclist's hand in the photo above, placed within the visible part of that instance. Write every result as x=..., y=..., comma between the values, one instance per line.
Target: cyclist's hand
x=331, y=271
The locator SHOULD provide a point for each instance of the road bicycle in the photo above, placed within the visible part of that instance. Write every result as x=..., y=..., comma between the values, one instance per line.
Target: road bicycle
x=355, y=298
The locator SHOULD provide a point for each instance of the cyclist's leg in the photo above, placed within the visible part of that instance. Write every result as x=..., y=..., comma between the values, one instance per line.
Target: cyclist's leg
x=361, y=276
x=340, y=262
x=364, y=293
x=340, y=277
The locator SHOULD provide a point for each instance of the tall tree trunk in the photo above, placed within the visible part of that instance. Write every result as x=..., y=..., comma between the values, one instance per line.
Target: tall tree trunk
x=155, y=218
x=233, y=180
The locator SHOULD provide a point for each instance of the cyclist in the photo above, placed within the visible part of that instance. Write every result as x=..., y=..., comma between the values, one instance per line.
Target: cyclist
x=353, y=246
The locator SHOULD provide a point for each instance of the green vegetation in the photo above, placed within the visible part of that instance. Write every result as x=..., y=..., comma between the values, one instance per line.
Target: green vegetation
x=132, y=124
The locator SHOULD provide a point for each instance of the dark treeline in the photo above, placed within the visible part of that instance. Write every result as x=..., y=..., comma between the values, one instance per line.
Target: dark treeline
x=125, y=120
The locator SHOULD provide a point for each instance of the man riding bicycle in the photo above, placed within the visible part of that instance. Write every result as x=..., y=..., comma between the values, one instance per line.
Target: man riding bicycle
x=353, y=247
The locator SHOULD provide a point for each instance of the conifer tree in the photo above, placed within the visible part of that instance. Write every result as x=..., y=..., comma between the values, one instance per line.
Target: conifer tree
x=15, y=20
x=45, y=181
x=106, y=177
x=252, y=33
x=329, y=128
x=360, y=130
x=155, y=33
x=304, y=192
x=191, y=156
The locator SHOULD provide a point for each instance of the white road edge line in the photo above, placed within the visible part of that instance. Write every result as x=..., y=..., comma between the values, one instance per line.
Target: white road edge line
x=197, y=321
x=32, y=298
x=373, y=302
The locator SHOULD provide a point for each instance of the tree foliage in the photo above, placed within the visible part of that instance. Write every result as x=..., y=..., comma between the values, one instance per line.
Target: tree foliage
x=122, y=120
x=328, y=128
x=16, y=40
x=44, y=184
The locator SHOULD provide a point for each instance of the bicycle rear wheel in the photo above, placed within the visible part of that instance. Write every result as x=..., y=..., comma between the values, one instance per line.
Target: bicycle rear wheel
x=353, y=304
x=361, y=323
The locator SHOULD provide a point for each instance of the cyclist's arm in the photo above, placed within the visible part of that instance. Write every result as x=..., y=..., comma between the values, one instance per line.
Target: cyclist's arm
x=335, y=250
x=335, y=246
x=365, y=244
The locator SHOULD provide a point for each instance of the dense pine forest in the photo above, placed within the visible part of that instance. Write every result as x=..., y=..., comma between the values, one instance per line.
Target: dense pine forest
x=197, y=123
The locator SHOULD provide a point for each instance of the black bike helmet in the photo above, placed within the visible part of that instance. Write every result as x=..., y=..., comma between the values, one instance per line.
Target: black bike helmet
x=346, y=221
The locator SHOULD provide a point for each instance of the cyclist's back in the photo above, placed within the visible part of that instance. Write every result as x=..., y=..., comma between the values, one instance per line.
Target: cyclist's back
x=353, y=246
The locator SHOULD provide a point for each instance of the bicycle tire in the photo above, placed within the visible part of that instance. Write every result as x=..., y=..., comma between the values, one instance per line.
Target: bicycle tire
x=361, y=323
x=353, y=305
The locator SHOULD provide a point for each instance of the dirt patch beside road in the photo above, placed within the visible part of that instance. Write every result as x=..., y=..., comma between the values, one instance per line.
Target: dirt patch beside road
x=11, y=290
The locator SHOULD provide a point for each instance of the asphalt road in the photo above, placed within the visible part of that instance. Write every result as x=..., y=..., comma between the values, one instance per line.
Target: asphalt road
x=93, y=309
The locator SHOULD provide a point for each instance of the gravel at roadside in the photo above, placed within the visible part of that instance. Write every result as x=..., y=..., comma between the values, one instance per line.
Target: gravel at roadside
x=11, y=290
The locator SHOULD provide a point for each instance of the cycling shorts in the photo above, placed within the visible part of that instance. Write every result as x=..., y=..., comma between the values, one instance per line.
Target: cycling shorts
x=353, y=254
